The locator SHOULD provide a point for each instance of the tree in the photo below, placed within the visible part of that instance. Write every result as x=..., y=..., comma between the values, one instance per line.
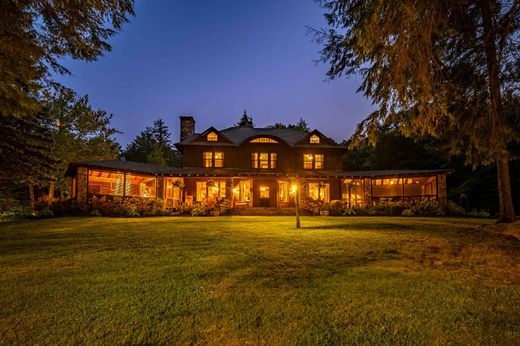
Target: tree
x=24, y=153
x=153, y=145
x=434, y=68
x=301, y=126
x=245, y=121
x=78, y=133
x=35, y=35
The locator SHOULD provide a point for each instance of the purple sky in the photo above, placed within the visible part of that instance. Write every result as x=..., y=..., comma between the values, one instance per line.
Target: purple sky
x=213, y=59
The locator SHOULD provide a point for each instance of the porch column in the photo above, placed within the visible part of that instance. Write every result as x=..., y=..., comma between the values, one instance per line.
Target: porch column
x=368, y=192
x=82, y=182
x=160, y=190
x=441, y=189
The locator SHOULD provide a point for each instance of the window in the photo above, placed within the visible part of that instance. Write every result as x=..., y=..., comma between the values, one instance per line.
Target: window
x=314, y=139
x=207, y=159
x=263, y=140
x=319, y=191
x=272, y=164
x=210, y=189
x=264, y=160
x=139, y=186
x=212, y=137
x=105, y=183
x=213, y=159
x=353, y=191
x=283, y=191
x=242, y=191
x=219, y=159
x=313, y=161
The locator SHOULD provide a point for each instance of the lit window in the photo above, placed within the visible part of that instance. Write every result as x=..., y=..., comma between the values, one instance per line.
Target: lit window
x=212, y=137
x=264, y=160
x=318, y=161
x=263, y=140
x=210, y=189
x=211, y=159
x=308, y=161
x=207, y=159
x=139, y=186
x=105, y=183
x=319, y=191
x=254, y=160
x=219, y=159
x=314, y=139
x=313, y=161
x=272, y=164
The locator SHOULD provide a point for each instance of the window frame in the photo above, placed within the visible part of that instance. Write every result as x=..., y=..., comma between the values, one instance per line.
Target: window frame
x=212, y=137
x=210, y=161
x=270, y=160
x=314, y=163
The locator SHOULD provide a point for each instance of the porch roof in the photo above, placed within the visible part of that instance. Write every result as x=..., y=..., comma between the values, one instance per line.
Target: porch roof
x=153, y=169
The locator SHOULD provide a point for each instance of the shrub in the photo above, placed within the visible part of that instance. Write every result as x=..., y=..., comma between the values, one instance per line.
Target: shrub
x=363, y=211
x=335, y=208
x=199, y=210
x=47, y=212
x=310, y=207
x=389, y=209
x=424, y=208
x=478, y=213
x=348, y=211
x=453, y=209
x=126, y=206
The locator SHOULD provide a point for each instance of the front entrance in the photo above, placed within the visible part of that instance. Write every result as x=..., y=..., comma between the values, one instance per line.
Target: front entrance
x=264, y=196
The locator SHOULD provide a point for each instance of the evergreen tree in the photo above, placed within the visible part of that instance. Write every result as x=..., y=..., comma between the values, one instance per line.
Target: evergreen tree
x=245, y=120
x=25, y=156
x=78, y=133
x=36, y=35
x=301, y=126
x=434, y=68
x=153, y=145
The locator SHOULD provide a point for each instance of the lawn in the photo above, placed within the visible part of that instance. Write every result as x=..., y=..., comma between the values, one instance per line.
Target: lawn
x=254, y=280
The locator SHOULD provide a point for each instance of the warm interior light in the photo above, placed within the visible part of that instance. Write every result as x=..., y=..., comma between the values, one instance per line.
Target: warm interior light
x=262, y=188
x=236, y=190
x=293, y=188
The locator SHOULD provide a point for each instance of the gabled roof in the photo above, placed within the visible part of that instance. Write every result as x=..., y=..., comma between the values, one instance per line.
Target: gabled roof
x=305, y=142
x=126, y=166
x=241, y=134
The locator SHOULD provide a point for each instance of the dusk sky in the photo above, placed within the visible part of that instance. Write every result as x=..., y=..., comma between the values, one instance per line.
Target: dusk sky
x=212, y=60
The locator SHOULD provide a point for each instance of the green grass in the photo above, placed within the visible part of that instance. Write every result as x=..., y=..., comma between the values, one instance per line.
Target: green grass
x=254, y=280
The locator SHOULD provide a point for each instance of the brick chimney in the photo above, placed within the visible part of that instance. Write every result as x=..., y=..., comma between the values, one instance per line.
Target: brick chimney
x=187, y=126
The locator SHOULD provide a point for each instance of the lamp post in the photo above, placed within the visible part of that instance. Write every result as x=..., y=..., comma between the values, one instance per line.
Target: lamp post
x=296, y=191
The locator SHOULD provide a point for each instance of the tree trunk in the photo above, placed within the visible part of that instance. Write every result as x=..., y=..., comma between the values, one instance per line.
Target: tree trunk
x=52, y=187
x=507, y=212
x=30, y=197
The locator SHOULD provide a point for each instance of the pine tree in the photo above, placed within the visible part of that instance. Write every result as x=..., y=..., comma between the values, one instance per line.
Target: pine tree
x=36, y=35
x=245, y=120
x=78, y=133
x=434, y=68
x=153, y=145
x=301, y=126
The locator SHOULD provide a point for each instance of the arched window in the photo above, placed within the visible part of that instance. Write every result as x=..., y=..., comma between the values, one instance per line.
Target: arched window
x=212, y=137
x=314, y=139
x=263, y=140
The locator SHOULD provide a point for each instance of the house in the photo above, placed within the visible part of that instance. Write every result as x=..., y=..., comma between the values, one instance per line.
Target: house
x=254, y=167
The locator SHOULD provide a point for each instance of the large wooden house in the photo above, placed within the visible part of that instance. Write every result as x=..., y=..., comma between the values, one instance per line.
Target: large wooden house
x=254, y=167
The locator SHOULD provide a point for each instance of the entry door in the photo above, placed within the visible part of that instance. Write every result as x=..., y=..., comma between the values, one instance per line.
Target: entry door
x=264, y=196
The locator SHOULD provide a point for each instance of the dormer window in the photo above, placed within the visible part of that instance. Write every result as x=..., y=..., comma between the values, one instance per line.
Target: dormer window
x=314, y=139
x=263, y=140
x=212, y=137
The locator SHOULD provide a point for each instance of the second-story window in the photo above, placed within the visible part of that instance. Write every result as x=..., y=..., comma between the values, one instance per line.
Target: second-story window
x=313, y=161
x=212, y=137
x=263, y=160
x=212, y=159
x=314, y=139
